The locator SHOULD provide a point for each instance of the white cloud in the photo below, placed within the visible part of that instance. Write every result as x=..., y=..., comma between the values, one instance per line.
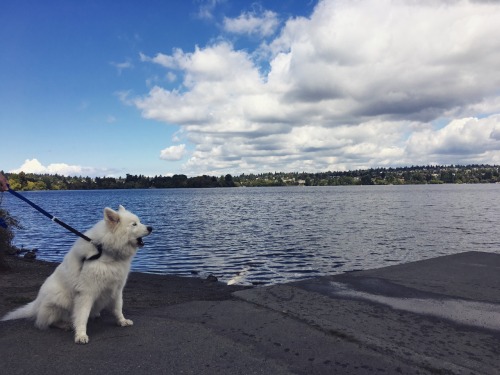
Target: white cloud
x=165, y=60
x=173, y=153
x=218, y=80
x=472, y=139
x=30, y=166
x=356, y=84
x=409, y=59
x=34, y=166
x=262, y=23
x=206, y=8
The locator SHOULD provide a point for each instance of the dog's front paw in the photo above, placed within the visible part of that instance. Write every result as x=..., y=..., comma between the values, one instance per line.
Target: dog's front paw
x=81, y=338
x=125, y=322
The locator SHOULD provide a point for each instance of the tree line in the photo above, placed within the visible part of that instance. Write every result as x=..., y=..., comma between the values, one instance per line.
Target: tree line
x=454, y=174
x=33, y=181
x=373, y=176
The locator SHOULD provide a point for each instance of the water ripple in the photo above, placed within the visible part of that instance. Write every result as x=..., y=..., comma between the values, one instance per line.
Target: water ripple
x=274, y=235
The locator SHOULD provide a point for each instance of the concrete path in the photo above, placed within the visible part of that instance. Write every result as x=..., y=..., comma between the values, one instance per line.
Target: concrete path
x=439, y=316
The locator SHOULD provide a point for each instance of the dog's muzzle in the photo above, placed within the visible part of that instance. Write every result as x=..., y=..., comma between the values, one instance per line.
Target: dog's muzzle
x=140, y=242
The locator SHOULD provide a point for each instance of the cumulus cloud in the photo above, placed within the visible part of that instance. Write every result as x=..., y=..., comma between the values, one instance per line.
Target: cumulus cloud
x=418, y=80
x=471, y=139
x=263, y=23
x=173, y=153
x=409, y=60
x=34, y=166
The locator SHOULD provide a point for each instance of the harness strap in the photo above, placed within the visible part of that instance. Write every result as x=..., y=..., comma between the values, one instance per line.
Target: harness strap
x=61, y=223
x=96, y=256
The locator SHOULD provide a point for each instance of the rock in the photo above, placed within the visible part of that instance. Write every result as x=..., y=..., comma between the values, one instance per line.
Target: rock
x=212, y=278
x=31, y=254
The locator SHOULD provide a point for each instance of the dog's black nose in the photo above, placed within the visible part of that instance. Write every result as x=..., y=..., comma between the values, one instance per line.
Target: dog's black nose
x=150, y=229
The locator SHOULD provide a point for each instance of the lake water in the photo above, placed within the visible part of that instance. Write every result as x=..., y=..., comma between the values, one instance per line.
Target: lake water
x=275, y=235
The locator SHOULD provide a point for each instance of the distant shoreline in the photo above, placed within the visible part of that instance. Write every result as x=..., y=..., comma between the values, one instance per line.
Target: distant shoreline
x=415, y=175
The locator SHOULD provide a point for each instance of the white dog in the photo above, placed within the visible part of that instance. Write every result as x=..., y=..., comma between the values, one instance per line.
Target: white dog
x=82, y=286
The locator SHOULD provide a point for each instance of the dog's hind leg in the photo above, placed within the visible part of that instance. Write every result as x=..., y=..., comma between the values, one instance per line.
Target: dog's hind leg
x=46, y=316
x=81, y=312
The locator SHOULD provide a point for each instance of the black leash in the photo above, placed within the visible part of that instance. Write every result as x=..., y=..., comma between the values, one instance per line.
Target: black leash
x=61, y=223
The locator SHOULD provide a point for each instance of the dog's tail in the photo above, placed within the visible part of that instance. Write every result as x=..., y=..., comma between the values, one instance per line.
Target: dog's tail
x=25, y=312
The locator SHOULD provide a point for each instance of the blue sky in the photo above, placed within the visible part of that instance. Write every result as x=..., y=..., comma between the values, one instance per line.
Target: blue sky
x=220, y=86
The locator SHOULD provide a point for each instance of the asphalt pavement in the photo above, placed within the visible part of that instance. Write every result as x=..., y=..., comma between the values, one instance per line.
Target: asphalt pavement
x=437, y=316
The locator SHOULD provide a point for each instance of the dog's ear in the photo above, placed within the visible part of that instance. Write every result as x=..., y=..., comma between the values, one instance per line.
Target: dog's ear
x=111, y=217
x=121, y=208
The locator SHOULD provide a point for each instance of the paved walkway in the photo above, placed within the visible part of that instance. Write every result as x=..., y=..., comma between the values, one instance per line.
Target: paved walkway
x=438, y=316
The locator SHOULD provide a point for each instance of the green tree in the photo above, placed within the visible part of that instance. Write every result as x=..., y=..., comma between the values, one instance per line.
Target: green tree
x=179, y=180
x=228, y=180
x=23, y=181
x=366, y=179
x=14, y=182
x=448, y=177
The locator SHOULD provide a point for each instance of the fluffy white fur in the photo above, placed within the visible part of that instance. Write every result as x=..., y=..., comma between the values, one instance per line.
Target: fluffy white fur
x=80, y=288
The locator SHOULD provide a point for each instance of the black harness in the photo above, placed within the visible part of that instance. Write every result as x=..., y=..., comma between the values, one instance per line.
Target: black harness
x=61, y=223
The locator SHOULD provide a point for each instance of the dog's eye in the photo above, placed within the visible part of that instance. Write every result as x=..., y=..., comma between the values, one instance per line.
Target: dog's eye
x=134, y=224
